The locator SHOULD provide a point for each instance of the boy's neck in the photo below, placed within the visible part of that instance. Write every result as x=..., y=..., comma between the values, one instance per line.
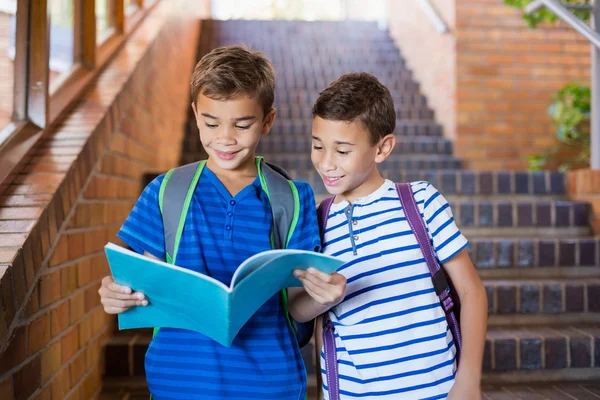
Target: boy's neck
x=373, y=182
x=237, y=179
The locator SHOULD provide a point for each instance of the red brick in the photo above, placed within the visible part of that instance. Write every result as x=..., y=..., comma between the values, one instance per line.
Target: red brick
x=28, y=379
x=77, y=306
x=60, y=318
x=61, y=385
x=68, y=278
x=77, y=368
x=6, y=388
x=70, y=345
x=61, y=252
x=50, y=288
x=39, y=333
x=51, y=361
x=16, y=351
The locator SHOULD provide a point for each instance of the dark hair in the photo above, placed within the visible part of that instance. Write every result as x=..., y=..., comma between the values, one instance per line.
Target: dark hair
x=359, y=97
x=231, y=71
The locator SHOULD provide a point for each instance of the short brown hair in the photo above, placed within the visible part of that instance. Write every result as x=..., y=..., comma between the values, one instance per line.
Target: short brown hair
x=359, y=97
x=231, y=71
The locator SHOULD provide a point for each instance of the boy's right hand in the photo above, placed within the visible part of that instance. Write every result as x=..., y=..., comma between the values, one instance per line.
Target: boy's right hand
x=117, y=299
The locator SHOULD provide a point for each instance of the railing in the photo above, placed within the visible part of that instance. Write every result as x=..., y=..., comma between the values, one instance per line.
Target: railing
x=593, y=35
x=433, y=15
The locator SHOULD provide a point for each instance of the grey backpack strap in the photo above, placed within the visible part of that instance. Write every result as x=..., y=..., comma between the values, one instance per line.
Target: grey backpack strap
x=174, y=193
x=282, y=203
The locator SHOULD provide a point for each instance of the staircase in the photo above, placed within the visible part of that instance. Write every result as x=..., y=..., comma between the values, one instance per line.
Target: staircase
x=532, y=247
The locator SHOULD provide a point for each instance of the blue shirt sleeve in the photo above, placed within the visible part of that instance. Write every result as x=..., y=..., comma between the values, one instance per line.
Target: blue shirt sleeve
x=143, y=228
x=306, y=235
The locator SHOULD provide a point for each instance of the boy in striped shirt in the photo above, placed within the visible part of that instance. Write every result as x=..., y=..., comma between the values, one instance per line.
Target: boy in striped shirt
x=391, y=336
x=229, y=220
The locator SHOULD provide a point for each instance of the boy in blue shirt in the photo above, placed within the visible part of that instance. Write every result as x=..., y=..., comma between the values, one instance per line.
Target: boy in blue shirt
x=228, y=221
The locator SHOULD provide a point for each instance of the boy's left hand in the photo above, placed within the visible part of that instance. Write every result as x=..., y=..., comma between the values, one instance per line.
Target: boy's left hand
x=465, y=390
x=328, y=290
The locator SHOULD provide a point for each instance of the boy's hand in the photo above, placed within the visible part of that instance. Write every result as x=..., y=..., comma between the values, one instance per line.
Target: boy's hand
x=328, y=290
x=117, y=299
x=465, y=390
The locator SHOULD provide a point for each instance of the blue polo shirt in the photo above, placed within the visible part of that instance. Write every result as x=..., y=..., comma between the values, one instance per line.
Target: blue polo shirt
x=220, y=232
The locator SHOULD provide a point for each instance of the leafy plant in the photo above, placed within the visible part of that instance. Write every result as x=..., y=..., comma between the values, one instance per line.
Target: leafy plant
x=570, y=110
x=545, y=15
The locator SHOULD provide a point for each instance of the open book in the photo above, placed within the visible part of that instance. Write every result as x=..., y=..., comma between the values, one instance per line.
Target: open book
x=185, y=299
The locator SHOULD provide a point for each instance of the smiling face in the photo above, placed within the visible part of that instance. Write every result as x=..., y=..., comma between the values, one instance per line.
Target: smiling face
x=342, y=153
x=230, y=130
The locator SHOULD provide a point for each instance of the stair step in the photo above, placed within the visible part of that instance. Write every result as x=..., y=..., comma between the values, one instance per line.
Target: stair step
x=308, y=99
x=303, y=143
x=543, y=302
x=539, y=353
x=492, y=184
x=292, y=111
x=406, y=127
x=521, y=256
x=553, y=390
x=395, y=162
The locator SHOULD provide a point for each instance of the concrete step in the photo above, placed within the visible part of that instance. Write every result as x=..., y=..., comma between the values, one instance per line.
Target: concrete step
x=395, y=162
x=287, y=111
x=538, y=354
x=523, y=258
x=302, y=127
x=273, y=144
x=529, y=354
x=308, y=99
x=547, y=391
x=548, y=302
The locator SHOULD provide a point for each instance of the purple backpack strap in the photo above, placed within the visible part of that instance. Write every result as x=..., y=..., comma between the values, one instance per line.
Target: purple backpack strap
x=331, y=364
x=440, y=281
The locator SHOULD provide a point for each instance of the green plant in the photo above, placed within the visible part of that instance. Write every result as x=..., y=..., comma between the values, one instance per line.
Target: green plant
x=545, y=15
x=570, y=110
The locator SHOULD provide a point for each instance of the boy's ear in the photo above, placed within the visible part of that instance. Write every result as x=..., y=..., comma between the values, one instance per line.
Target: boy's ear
x=195, y=111
x=385, y=148
x=268, y=121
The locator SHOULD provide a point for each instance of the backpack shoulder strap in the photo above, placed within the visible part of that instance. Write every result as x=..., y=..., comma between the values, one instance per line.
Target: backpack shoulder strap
x=176, y=190
x=284, y=199
x=322, y=215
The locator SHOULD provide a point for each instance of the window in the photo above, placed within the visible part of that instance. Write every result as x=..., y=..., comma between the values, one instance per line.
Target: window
x=105, y=19
x=8, y=22
x=50, y=50
x=131, y=6
x=62, y=35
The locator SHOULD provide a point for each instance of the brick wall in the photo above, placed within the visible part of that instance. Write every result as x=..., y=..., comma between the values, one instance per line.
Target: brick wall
x=494, y=73
x=584, y=185
x=71, y=199
x=432, y=58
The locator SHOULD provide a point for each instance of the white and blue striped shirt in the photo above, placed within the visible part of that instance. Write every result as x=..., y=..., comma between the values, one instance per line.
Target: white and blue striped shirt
x=392, y=338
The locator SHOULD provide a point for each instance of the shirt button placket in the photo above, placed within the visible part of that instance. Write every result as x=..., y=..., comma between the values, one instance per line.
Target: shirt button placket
x=229, y=220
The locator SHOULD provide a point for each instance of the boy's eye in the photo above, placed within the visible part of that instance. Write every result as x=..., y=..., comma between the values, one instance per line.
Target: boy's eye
x=243, y=128
x=317, y=147
x=343, y=152
x=210, y=126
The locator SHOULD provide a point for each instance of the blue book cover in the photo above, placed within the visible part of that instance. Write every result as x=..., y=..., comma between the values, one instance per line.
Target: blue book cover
x=185, y=299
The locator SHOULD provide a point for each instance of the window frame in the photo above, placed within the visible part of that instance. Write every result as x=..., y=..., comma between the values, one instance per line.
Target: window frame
x=36, y=105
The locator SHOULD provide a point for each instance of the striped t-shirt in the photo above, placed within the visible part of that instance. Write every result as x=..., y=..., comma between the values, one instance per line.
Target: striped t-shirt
x=391, y=334
x=220, y=232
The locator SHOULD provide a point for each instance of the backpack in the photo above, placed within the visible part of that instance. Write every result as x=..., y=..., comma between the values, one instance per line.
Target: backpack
x=177, y=189
x=441, y=282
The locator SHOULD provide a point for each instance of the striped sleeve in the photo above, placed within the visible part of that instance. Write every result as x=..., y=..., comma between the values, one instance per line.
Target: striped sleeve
x=143, y=228
x=448, y=240
x=306, y=235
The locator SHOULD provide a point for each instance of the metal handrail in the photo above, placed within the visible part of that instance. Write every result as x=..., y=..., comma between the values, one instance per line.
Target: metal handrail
x=592, y=33
x=434, y=17
x=563, y=12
